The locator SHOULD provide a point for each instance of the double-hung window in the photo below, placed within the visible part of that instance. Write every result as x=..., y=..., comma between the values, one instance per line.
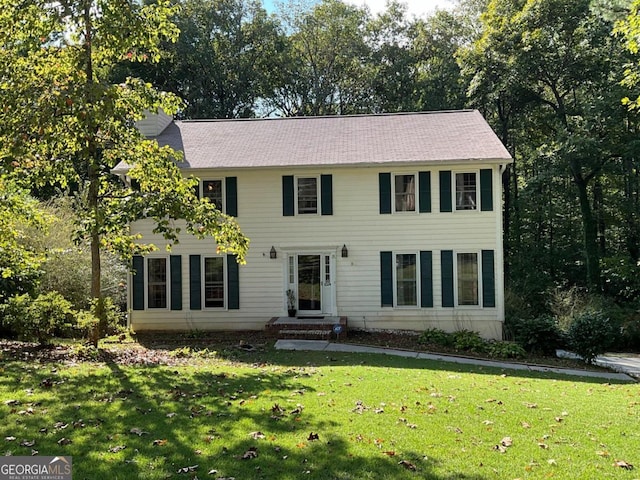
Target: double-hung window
x=404, y=193
x=214, y=282
x=307, y=195
x=157, y=283
x=406, y=280
x=467, y=278
x=466, y=191
x=212, y=190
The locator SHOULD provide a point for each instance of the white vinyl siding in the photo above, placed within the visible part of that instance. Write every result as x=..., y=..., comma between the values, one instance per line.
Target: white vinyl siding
x=356, y=223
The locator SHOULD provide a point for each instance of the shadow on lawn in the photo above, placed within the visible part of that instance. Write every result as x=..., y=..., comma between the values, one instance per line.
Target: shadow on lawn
x=166, y=422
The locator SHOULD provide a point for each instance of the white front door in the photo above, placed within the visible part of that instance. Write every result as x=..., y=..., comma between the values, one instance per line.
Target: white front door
x=314, y=283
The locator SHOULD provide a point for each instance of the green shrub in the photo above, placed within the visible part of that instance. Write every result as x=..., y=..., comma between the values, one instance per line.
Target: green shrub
x=537, y=335
x=468, y=341
x=435, y=336
x=590, y=334
x=501, y=349
x=37, y=319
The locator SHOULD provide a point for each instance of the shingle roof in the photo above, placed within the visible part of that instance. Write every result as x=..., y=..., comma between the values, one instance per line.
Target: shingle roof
x=448, y=136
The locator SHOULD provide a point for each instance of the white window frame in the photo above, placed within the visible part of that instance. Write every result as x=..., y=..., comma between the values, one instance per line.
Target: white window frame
x=225, y=283
x=478, y=255
x=167, y=281
x=222, y=191
x=454, y=191
x=395, y=279
x=297, y=178
x=415, y=193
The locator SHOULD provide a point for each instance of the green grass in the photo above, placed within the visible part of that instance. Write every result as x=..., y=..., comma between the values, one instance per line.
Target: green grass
x=369, y=414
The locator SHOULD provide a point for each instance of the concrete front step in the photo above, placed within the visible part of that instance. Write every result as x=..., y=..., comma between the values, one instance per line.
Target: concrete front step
x=305, y=334
x=307, y=328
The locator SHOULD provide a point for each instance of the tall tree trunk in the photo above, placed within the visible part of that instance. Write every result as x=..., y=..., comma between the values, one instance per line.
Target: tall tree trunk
x=589, y=227
x=94, y=180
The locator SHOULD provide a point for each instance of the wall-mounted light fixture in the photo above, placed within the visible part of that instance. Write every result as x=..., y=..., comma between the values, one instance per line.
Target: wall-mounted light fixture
x=273, y=253
x=345, y=251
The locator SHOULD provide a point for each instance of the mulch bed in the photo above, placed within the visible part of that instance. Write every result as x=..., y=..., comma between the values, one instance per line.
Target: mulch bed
x=159, y=348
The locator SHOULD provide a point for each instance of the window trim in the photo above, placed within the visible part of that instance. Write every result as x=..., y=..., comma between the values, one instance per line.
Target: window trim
x=454, y=191
x=318, y=211
x=225, y=283
x=167, y=281
x=456, y=300
x=416, y=193
x=395, y=280
x=223, y=191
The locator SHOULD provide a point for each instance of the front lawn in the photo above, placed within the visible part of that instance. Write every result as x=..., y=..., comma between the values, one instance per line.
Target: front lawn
x=291, y=415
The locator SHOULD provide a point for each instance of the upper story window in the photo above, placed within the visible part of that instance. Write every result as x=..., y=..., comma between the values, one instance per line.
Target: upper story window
x=212, y=190
x=405, y=193
x=466, y=191
x=307, y=195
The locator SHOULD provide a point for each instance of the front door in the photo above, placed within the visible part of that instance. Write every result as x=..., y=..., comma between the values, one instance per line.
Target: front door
x=314, y=283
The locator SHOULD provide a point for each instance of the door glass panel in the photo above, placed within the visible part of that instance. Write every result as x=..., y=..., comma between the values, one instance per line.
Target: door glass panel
x=309, y=270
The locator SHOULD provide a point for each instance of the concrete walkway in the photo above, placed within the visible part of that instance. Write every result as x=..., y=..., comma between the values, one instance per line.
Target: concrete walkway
x=628, y=367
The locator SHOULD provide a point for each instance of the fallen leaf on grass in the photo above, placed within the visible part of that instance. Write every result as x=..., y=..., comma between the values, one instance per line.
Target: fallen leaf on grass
x=313, y=436
x=506, y=442
x=257, y=435
x=190, y=469
x=160, y=443
x=249, y=454
x=60, y=425
x=623, y=464
x=602, y=453
x=64, y=441
x=525, y=425
x=138, y=431
x=117, y=448
x=544, y=446
x=408, y=465
x=389, y=453
x=12, y=402
x=9, y=439
x=27, y=443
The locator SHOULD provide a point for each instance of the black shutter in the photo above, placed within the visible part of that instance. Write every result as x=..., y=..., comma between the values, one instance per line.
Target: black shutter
x=424, y=184
x=196, y=189
x=384, y=181
x=175, y=263
x=288, y=196
x=195, y=292
x=231, y=196
x=446, y=267
x=233, y=282
x=488, y=279
x=445, y=191
x=386, y=278
x=426, y=279
x=138, y=283
x=486, y=190
x=326, y=194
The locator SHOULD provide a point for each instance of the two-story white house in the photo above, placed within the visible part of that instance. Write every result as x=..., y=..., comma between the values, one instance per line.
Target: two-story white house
x=393, y=221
